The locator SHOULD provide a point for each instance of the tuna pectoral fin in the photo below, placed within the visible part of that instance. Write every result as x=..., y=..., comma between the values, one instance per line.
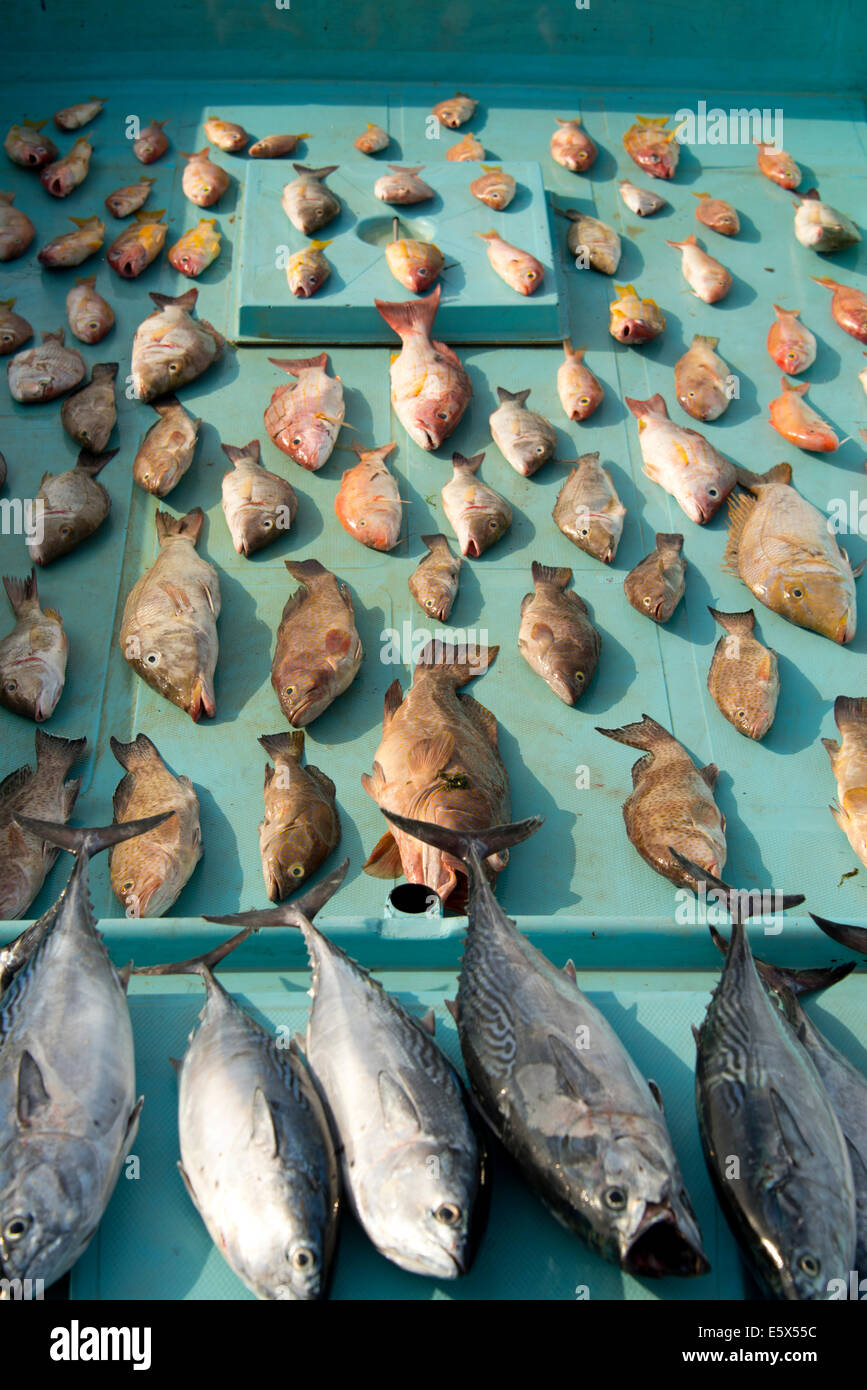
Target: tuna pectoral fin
x=740, y=903
x=855, y=938
x=189, y=1186
x=88, y=841
x=463, y=844
x=132, y=1126
x=288, y=914
x=33, y=1097
x=794, y=1141
x=784, y=980
x=398, y=1110
x=264, y=1132
x=384, y=860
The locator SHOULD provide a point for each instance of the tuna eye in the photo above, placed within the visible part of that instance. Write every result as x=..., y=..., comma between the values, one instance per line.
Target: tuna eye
x=303, y=1259
x=17, y=1227
x=153, y=658
x=808, y=1264
x=449, y=1214
x=615, y=1198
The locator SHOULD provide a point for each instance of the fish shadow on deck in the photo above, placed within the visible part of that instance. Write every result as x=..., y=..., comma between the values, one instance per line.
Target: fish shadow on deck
x=526, y=888
x=615, y=673
x=827, y=366
x=240, y=630
x=744, y=862
x=215, y=883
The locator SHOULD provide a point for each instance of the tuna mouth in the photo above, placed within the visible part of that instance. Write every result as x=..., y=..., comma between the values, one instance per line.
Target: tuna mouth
x=661, y=1248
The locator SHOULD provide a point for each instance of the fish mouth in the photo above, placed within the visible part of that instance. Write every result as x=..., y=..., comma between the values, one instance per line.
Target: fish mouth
x=845, y=630
x=660, y=1248
x=201, y=700
x=429, y=441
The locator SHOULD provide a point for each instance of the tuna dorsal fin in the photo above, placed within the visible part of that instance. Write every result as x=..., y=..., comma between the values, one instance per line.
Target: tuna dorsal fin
x=33, y=1097
x=428, y=1022
x=569, y=971
x=656, y=1093
x=452, y=1006
x=742, y=624
x=263, y=1130
x=180, y=301
x=519, y=396
x=740, y=510
x=398, y=1110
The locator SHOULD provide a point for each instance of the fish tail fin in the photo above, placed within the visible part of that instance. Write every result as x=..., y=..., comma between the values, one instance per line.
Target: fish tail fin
x=741, y=624
x=705, y=341
x=155, y=215
x=826, y=281
x=294, y=366
x=789, y=983
x=294, y=914
x=245, y=451
x=463, y=464
x=86, y=841
x=740, y=903
x=84, y=221
x=284, y=745
x=58, y=753
x=318, y=174
x=197, y=965
x=654, y=405
x=702, y=195
x=315, y=245
x=82, y=280
x=505, y=396
x=130, y=755
x=164, y=404
x=646, y=734
x=669, y=542
x=306, y=571
x=181, y=301
x=855, y=938
x=850, y=712
x=194, y=154
x=102, y=370
x=435, y=543
x=188, y=526
x=489, y=236
x=460, y=663
x=792, y=313
x=21, y=591
x=558, y=575
x=463, y=844
x=411, y=315
x=780, y=473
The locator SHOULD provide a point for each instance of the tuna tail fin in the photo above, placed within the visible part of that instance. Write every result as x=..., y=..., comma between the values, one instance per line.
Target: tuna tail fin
x=854, y=938
x=519, y=396
x=411, y=315
x=462, y=663
x=94, y=463
x=188, y=526
x=296, y=365
x=284, y=745
x=645, y=734
x=780, y=473
x=740, y=903
x=464, y=844
x=21, y=591
x=183, y=301
x=86, y=841
x=559, y=575
x=246, y=451
x=197, y=965
x=780, y=978
x=290, y=914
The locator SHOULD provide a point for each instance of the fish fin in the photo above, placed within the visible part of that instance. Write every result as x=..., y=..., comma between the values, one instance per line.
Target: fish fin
x=195, y=154
x=519, y=396
x=467, y=465
x=21, y=591
x=705, y=341
x=669, y=544
x=740, y=510
x=542, y=636
x=176, y=1064
x=411, y=315
x=306, y=571
x=465, y=844
x=850, y=712
x=289, y=745
x=318, y=174
x=644, y=764
x=787, y=982
x=558, y=575
x=398, y=1110
x=439, y=655
x=84, y=221
x=800, y=388
x=487, y=236
x=854, y=801
x=492, y=168
x=792, y=313
x=437, y=542
x=384, y=860
x=374, y=783
x=140, y=751
x=795, y=1142
x=94, y=463
x=482, y=717
x=429, y=756
x=826, y=281
x=569, y=971
x=33, y=1097
x=322, y=780
x=52, y=613
x=780, y=473
x=709, y=773
x=623, y=291
x=646, y=734
x=832, y=748
x=337, y=642
x=263, y=1132
x=855, y=938
x=188, y=526
x=452, y=1006
x=188, y=1185
x=393, y=702
x=405, y=169
x=146, y=217
x=251, y=450
x=654, y=405
x=574, y=1077
x=86, y=841
x=181, y=301
x=124, y=974
x=656, y=1093
x=859, y=569
x=15, y=782
x=177, y=597
x=696, y=1035
x=428, y=1022
x=294, y=366
x=739, y=902
x=165, y=404
x=55, y=752
x=742, y=624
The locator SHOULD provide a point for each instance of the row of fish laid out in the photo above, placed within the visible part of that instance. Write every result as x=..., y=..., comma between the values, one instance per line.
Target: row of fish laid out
x=271, y=1139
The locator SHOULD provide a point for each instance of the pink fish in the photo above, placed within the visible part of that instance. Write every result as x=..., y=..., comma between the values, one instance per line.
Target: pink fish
x=707, y=279
x=519, y=269
x=798, y=422
x=429, y=388
x=790, y=342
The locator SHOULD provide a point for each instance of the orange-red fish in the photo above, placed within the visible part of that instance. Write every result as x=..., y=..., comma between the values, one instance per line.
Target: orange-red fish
x=304, y=419
x=429, y=388
x=74, y=247
x=790, y=342
x=129, y=198
x=848, y=307
x=204, y=182
x=226, y=135
x=25, y=145
x=519, y=269
x=367, y=503
x=90, y=317
x=60, y=178
x=579, y=391
x=276, y=146
x=707, y=279
x=494, y=188
x=798, y=422
x=454, y=111
x=416, y=264
x=372, y=140
x=778, y=166
x=467, y=149
x=138, y=244
x=653, y=149
x=151, y=144
x=572, y=147
x=16, y=229
x=634, y=320
x=717, y=214
x=197, y=249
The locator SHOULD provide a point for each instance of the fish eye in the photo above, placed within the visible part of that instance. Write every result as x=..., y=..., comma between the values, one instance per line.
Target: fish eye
x=579, y=675
x=173, y=366
x=809, y=1264
x=423, y=270
x=797, y=593
x=93, y=324
x=153, y=658
x=127, y=887
x=492, y=524
x=585, y=531
x=691, y=395
x=647, y=600
x=449, y=1214
x=11, y=687
x=713, y=492
x=583, y=400
x=65, y=530
x=442, y=414
x=17, y=1227
x=289, y=691
x=267, y=524
x=540, y=448
x=531, y=274
x=296, y=870
x=428, y=603
x=297, y=439
x=303, y=1259
x=615, y=1198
